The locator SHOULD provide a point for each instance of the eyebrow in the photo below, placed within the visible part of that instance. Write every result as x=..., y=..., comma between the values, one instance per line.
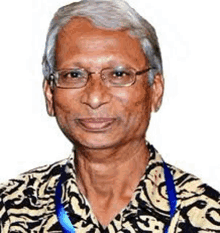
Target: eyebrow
x=111, y=63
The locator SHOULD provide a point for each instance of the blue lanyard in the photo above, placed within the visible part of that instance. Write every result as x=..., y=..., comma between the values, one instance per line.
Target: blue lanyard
x=62, y=215
x=171, y=193
x=64, y=219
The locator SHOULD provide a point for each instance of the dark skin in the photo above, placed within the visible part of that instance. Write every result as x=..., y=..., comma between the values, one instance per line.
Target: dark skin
x=106, y=124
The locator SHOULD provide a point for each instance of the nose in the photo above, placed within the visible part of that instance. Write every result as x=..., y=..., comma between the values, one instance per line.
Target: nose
x=96, y=93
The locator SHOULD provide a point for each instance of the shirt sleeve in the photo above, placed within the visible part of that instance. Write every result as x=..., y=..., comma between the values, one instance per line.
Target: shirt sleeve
x=4, y=218
x=200, y=211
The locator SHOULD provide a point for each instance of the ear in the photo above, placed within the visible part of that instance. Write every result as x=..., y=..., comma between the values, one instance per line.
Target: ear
x=48, y=93
x=157, y=92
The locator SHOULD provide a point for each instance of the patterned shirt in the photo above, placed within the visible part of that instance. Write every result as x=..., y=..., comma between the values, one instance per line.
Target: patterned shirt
x=27, y=204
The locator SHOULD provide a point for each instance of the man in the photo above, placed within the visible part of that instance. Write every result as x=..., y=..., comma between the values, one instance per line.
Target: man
x=103, y=78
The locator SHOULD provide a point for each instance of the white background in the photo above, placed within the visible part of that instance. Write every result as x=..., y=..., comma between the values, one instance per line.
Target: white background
x=185, y=130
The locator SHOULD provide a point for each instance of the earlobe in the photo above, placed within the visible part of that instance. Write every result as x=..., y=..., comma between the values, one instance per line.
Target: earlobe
x=157, y=92
x=48, y=93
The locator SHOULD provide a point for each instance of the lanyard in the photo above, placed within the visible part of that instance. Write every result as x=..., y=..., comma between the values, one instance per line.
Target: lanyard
x=66, y=224
x=171, y=193
x=62, y=215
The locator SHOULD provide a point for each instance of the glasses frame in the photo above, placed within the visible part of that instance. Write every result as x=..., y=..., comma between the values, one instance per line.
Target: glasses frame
x=54, y=77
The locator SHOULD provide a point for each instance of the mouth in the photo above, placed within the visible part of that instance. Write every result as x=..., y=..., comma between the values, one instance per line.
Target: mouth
x=96, y=124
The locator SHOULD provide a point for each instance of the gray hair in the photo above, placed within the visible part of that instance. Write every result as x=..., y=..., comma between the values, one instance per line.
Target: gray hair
x=110, y=14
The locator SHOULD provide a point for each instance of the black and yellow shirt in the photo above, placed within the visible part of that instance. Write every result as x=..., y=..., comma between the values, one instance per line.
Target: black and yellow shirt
x=27, y=204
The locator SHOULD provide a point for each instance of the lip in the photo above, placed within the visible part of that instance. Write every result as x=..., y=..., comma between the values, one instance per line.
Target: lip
x=96, y=124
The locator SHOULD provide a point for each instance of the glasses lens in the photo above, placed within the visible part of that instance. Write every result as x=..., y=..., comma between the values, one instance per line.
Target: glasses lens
x=119, y=76
x=73, y=78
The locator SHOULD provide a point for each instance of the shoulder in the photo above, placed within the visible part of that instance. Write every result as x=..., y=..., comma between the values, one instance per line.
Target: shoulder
x=198, y=203
x=188, y=185
x=28, y=192
x=31, y=179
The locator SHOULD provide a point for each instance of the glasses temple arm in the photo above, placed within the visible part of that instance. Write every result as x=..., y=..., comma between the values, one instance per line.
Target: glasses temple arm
x=143, y=71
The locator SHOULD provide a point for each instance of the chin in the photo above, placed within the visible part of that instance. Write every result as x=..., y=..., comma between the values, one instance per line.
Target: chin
x=95, y=142
x=97, y=145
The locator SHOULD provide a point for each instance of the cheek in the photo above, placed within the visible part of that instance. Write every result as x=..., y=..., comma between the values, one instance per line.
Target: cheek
x=136, y=106
x=64, y=102
x=135, y=101
x=64, y=110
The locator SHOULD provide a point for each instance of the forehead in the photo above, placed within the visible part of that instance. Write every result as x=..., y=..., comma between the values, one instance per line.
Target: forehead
x=80, y=39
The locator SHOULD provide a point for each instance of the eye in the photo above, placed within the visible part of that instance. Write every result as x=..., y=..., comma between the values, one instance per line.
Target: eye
x=119, y=76
x=120, y=73
x=74, y=74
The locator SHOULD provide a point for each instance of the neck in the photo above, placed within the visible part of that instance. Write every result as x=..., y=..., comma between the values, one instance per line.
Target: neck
x=111, y=175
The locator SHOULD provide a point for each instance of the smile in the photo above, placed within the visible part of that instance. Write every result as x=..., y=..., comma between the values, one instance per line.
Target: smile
x=96, y=124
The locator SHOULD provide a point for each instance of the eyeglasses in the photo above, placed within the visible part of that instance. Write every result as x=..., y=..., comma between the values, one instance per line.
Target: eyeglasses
x=78, y=77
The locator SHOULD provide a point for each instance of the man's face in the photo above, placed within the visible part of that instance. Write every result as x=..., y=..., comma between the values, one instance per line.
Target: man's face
x=98, y=116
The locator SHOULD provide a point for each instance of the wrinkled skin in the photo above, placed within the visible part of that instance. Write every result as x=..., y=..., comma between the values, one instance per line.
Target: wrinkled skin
x=108, y=153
